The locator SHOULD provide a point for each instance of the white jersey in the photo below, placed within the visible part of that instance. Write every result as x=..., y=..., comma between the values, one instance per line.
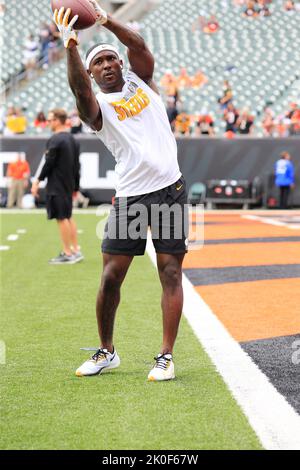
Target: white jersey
x=136, y=130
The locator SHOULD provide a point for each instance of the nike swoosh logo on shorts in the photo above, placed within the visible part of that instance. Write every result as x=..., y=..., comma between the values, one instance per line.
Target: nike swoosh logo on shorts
x=179, y=187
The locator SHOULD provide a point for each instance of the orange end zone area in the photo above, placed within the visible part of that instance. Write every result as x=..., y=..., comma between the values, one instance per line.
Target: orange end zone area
x=256, y=310
x=243, y=254
x=235, y=226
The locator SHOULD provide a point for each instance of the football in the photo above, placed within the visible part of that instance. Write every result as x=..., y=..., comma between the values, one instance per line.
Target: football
x=82, y=8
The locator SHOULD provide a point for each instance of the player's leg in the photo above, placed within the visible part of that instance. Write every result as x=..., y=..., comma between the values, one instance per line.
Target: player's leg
x=20, y=193
x=59, y=207
x=170, y=274
x=74, y=240
x=115, y=268
x=12, y=194
x=170, y=246
x=286, y=197
x=65, y=235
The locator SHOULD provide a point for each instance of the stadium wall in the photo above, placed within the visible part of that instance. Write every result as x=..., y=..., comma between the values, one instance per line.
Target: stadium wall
x=200, y=160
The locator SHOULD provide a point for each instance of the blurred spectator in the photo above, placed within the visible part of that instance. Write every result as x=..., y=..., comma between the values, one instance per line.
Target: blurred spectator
x=183, y=80
x=211, y=26
x=282, y=126
x=284, y=178
x=199, y=79
x=30, y=56
x=230, y=117
x=245, y=122
x=183, y=124
x=263, y=9
x=268, y=123
x=16, y=122
x=40, y=122
x=169, y=85
x=172, y=112
x=250, y=10
x=54, y=45
x=205, y=124
x=294, y=115
x=227, y=95
x=45, y=38
x=80, y=199
x=2, y=8
x=75, y=122
x=289, y=6
x=18, y=172
x=208, y=26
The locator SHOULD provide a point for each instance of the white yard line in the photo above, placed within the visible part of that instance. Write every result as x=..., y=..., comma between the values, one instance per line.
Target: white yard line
x=4, y=247
x=270, y=221
x=275, y=422
x=12, y=237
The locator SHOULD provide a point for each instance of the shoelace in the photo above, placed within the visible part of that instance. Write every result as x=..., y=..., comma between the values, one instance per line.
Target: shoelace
x=162, y=362
x=99, y=353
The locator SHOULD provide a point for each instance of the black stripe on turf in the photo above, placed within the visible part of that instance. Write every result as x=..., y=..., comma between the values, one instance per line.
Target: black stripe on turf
x=212, y=276
x=225, y=241
x=279, y=360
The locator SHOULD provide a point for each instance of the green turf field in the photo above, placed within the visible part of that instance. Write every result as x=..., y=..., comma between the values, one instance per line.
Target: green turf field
x=47, y=314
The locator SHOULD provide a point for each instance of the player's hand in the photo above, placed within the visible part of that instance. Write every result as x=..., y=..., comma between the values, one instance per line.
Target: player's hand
x=101, y=14
x=61, y=19
x=35, y=189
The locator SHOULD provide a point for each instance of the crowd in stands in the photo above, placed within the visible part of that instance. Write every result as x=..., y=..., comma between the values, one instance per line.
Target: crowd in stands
x=41, y=50
x=236, y=121
x=15, y=122
x=172, y=84
x=208, y=25
x=284, y=125
x=260, y=8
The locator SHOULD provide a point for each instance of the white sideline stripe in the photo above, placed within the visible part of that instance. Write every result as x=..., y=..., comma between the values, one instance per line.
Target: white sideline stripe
x=271, y=221
x=12, y=237
x=275, y=422
x=21, y=230
x=79, y=231
x=4, y=247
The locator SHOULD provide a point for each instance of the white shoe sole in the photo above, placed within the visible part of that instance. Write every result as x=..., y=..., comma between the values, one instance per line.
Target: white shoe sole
x=60, y=262
x=151, y=378
x=101, y=371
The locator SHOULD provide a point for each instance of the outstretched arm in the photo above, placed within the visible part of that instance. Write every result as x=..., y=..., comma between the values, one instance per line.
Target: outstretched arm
x=79, y=80
x=140, y=58
x=80, y=84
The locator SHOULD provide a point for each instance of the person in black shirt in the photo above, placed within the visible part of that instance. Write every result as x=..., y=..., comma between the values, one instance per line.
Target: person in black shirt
x=62, y=170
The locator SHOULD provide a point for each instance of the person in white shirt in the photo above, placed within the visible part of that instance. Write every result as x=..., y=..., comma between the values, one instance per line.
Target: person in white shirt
x=129, y=116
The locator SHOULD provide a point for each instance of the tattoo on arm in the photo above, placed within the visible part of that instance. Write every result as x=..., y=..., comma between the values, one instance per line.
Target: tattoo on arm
x=80, y=84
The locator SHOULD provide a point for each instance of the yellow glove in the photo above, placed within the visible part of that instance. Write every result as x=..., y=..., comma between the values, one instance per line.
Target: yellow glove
x=65, y=28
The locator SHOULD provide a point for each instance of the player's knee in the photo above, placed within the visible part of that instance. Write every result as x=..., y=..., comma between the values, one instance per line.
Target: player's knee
x=111, y=279
x=171, y=275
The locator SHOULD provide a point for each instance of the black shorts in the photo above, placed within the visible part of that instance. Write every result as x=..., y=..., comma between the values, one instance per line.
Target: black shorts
x=166, y=213
x=59, y=207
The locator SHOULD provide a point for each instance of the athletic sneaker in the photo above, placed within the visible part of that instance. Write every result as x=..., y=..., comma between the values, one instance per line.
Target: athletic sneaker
x=100, y=362
x=62, y=258
x=78, y=256
x=163, y=368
